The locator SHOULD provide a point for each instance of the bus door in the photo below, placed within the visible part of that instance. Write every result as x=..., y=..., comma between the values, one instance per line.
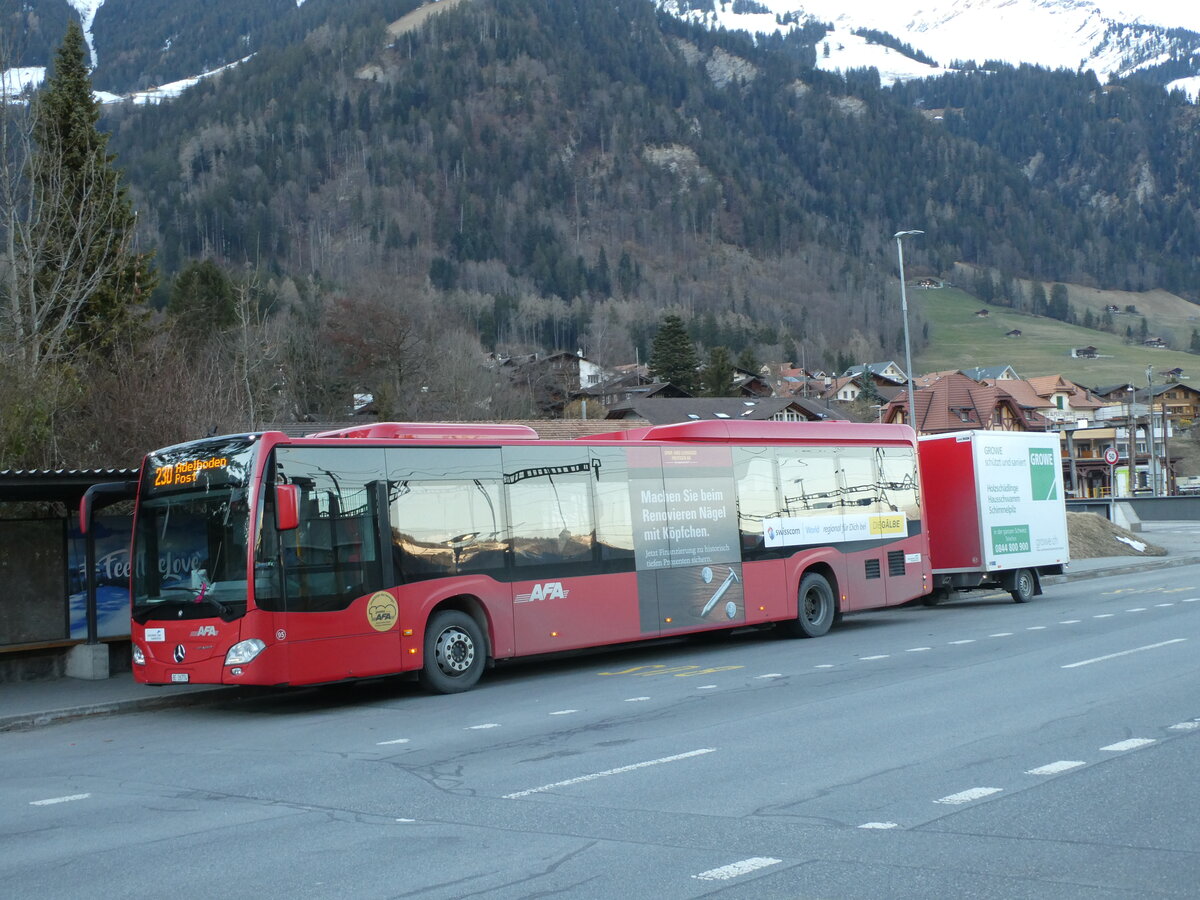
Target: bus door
x=338, y=620
x=572, y=557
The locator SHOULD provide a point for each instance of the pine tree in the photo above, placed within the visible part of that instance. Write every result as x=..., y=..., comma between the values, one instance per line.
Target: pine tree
x=202, y=300
x=87, y=278
x=673, y=355
x=716, y=379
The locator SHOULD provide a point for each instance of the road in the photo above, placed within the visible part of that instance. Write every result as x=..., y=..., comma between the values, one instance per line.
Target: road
x=976, y=749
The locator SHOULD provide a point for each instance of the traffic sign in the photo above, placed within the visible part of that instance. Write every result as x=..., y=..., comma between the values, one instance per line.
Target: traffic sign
x=1110, y=456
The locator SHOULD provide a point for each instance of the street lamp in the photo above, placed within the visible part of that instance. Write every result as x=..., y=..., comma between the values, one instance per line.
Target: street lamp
x=1153, y=461
x=912, y=407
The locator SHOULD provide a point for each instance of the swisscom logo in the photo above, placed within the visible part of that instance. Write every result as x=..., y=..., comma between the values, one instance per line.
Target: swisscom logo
x=1043, y=474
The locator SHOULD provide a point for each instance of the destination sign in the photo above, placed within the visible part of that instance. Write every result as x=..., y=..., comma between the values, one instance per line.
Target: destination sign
x=186, y=471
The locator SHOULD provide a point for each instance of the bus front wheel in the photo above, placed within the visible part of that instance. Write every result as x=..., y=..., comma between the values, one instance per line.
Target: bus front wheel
x=454, y=653
x=816, y=607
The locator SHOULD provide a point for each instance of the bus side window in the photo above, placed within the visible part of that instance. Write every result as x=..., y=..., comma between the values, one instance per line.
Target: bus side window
x=758, y=500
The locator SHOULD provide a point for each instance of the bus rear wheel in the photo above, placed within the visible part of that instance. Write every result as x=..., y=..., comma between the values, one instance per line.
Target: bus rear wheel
x=815, y=607
x=454, y=653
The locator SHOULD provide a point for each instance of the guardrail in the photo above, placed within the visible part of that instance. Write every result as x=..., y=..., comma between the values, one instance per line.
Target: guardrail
x=1148, y=509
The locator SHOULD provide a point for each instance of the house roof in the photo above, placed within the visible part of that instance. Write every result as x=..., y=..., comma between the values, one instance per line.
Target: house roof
x=875, y=368
x=955, y=402
x=991, y=373
x=64, y=485
x=664, y=410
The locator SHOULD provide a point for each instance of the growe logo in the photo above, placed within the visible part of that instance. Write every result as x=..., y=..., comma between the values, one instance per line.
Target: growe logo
x=550, y=590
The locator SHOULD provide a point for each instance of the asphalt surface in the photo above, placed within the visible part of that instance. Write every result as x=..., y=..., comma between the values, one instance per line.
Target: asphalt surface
x=33, y=704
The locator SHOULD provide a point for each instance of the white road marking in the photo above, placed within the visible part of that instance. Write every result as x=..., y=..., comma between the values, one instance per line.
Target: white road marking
x=1054, y=768
x=879, y=825
x=770, y=675
x=968, y=795
x=1185, y=726
x=635, y=699
x=1137, y=609
x=824, y=666
x=917, y=649
x=1192, y=600
x=481, y=727
x=396, y=741
x=1131, y=744
x=1036, y=628
x=1071, y=622
x=733, y=870
x=969, y=641
x=54, y=800
x=1002, y=634
x=1088, y=662
x=879, y=656
x=706, y=687
x=1103, y=616
x=406, y=820
x=563, y=712
x=1164, y=604
x=618, y=771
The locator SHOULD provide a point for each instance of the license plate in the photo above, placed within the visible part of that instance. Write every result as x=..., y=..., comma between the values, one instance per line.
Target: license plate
x=179, y=676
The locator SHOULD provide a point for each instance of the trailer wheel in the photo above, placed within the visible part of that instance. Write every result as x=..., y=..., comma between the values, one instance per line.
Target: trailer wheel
x=1023, y=586
x=815, y=607
x=454, y=653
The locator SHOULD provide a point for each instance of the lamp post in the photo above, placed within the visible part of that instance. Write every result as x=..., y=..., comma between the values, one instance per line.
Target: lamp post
x=1130, y=430
x=1153, y=461
x=912, y=406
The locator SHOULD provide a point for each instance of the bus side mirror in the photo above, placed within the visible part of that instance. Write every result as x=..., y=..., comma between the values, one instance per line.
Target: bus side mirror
x=287, y=506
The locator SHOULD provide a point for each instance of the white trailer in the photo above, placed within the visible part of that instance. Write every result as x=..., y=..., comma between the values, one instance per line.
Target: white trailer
x=995, y=510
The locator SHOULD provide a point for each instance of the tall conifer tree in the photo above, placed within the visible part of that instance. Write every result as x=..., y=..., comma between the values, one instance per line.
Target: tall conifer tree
x=85, y=269
x=673, y=355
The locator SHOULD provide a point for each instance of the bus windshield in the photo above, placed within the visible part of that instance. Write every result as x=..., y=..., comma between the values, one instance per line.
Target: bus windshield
x=190, y=541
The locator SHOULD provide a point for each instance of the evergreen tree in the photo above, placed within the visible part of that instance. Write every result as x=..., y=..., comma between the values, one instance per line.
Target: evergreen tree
x=716, y=380
x=86, y=269
x=748, y=361
x=202, y=300
x=673, y=355
x=1194, y=346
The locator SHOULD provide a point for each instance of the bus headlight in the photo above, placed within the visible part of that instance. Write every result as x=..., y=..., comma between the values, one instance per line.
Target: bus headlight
x=139, y=658
x=244, y=651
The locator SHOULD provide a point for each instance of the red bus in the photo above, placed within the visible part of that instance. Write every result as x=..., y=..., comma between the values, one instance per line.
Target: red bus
x=440, y=548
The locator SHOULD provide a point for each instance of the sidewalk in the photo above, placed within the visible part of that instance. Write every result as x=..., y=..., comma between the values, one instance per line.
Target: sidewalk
x=32, y=704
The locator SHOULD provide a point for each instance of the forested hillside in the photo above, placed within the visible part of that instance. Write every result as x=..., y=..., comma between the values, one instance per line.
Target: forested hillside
x=560, y=172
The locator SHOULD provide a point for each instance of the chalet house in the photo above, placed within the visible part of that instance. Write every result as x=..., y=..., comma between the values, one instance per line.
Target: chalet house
x=751, y=384
x=1015, y=333
x=982, y=314
x=629, y=385
x=1155, y=343
x=1112, y=308
x=1088, y=352
x=1175, y=374
x=1181, y=402
x=553, y=378
x=882, y=371
x=955, y=402
x=1054, y=398
x=992, y=373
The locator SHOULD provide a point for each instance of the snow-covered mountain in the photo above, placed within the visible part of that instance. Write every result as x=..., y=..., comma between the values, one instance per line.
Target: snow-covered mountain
x=1110, y=37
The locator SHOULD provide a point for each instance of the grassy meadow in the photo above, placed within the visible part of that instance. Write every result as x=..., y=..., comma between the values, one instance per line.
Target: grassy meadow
x=958, y=339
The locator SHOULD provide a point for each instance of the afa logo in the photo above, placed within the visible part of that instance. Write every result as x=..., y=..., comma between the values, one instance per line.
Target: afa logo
x=551, y=590
x=382, y=611
x=205, y=631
